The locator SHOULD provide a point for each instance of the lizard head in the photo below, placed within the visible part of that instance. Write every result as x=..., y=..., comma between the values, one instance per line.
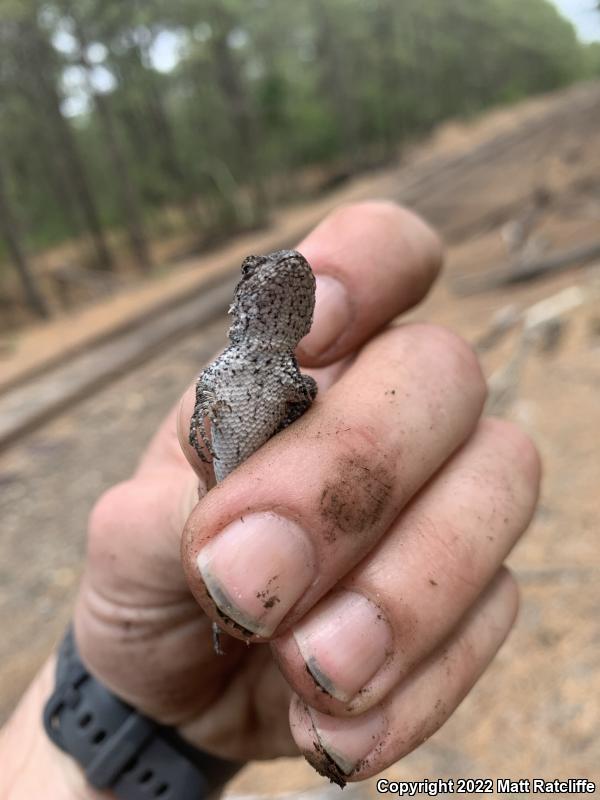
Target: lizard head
x=274, y=301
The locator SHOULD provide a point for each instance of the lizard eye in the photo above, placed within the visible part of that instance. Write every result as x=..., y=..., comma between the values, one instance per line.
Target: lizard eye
x=250, y=264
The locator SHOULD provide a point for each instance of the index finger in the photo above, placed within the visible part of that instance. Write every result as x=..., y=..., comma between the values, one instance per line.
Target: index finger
x=270, y=540
x=372, y=261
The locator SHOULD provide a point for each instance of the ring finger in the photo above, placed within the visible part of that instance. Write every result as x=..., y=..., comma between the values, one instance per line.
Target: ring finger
x=359, y=747
x=411, y=591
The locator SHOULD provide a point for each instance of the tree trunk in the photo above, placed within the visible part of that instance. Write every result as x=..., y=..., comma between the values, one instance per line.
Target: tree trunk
x=389, y=79
x=243, y=120
x=79, y=181
x=8, y=229
x=170, y=160
x=129, y=198
x=56, y=175
x=75, y=173
x=334, y=81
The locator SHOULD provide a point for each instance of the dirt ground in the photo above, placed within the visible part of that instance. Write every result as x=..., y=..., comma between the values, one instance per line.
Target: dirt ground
x=536, y=711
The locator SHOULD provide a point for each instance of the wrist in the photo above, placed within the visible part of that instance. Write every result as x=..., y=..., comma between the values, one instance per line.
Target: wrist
x=32, y=765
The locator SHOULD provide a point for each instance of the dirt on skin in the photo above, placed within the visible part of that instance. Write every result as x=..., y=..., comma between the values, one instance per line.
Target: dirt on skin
x=354, y=500
x=323, y=763
x=534, y=713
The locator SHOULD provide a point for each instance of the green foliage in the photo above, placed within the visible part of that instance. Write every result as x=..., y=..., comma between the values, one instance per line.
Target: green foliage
x=261, y=89
x=592, y=59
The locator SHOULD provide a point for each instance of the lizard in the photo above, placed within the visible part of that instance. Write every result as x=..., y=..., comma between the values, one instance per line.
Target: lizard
x=255, y=388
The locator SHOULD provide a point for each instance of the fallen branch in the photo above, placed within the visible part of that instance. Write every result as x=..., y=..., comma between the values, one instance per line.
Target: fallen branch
x=503, y=321
x=521, y=273
x=543, y=325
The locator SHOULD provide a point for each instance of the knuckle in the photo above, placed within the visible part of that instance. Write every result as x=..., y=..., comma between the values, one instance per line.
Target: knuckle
x=456, y=556
x=513, y=592
x=420, y=240
x=500, y=606
x=462, y=355
x=523, y=455
x=465, y=653
x=106, y=516
x=451, y=351
x=509, y=584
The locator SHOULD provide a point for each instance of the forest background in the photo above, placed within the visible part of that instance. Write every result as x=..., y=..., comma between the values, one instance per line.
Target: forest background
x=109, y=145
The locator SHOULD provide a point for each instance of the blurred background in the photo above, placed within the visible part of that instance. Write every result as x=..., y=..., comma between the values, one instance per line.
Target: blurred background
x=147, y=147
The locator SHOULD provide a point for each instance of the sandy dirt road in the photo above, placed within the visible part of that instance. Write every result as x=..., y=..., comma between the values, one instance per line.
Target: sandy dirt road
x=536, y=712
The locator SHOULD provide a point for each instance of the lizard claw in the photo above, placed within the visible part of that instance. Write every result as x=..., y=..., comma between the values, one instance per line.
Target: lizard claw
x=197, y=427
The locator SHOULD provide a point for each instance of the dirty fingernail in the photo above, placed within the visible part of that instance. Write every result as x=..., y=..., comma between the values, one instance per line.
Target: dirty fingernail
x=344, y=643
x=256, y=569
x=332, y=316
x=347, y=742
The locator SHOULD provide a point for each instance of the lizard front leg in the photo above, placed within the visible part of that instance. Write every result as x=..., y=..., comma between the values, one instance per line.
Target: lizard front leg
x=302, y=392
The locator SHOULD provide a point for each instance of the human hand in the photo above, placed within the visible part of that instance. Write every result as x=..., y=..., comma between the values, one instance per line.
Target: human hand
x=365, y=542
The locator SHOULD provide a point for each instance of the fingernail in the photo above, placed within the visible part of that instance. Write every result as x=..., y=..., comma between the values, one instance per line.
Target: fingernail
x=332, y=316
x=256, y=569
x=348, y=741
x=344, y=643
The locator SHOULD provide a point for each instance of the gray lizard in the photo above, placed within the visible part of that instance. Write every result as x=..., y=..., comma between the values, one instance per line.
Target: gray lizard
x=255, y=388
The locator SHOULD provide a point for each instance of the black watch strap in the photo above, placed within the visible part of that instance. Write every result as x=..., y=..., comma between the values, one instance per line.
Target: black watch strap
x=119, y=748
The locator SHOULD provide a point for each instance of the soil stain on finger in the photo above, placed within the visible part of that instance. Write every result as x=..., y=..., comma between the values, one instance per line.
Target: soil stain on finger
x=323, y=763
x=317, y=756
x=355, y=498
x=267, y=596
